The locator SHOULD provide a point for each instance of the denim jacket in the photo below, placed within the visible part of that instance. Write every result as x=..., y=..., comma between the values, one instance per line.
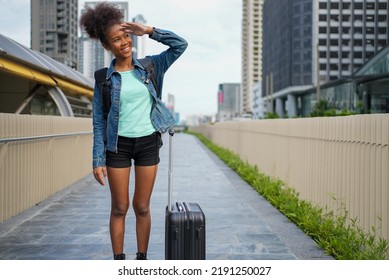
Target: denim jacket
x=105, y=133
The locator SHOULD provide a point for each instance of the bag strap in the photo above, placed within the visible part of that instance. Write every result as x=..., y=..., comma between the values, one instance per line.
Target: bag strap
x=104, y=84
x=150, y=70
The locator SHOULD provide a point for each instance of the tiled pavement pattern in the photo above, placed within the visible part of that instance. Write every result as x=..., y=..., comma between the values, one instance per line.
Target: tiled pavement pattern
x=240, y=224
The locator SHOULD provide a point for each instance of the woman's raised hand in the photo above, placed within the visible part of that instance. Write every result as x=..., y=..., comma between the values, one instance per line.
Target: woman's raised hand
x=136, y=28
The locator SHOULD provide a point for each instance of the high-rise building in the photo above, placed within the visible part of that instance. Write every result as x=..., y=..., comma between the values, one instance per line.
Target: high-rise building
x=54, y=25
x=92, y=55
x=306, y=43
x=251, y=51
x=228, y=103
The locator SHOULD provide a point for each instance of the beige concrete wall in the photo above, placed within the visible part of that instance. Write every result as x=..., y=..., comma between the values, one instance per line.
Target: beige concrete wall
x=32, y=170
x=345, y=158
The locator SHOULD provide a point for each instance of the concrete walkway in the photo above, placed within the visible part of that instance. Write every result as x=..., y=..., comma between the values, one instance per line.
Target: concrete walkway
x=240, y=224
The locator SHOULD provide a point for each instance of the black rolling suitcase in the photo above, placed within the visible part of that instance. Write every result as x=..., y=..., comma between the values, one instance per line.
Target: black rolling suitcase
x=184, y=224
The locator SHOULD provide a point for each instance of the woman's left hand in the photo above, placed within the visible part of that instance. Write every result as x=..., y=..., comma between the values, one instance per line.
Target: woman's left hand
x=137, y=29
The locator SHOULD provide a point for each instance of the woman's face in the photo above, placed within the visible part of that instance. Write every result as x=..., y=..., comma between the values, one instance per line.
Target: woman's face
x=119, y=42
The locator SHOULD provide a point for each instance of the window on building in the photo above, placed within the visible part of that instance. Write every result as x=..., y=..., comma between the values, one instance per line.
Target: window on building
x=369, y=30
x=307, y=30
x=346, y=18
x=382, y=6
x=345, y=54
x=307, y=55
x=322, y=17
x=322, y=42
x=358, y=30
x=334, y=17
x=323, y=66
x=323, y=5
x=307, y=67
x=382, y=30
x=334, y=30
x=346, y=6
x=307, y=7
x=334, y=42
x=297, y=8
x=345, y=30
x=345, y=67
x=323, y=30
x=370, y=18
x=358, y=17
x=307, y=19
x=307, y=43
x=370, y=6
x=358, y=6
x=345, y=42
x=334, y=55
x=382, y=43
x=370, y=42
x=296, y=20
x=334, y=66
x=357, y=42
x=307, y=79
x=382, y=18
x=297, y=56
x=323, y=54
x=357, y=54
x=334, y=6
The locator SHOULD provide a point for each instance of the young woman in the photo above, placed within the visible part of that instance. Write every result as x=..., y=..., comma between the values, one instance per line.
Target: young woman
x=132, y=130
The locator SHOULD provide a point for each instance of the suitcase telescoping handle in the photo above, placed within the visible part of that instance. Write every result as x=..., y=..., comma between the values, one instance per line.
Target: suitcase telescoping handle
x=170, y=171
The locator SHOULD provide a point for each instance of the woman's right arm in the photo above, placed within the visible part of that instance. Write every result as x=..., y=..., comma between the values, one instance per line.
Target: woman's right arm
x=99, y=127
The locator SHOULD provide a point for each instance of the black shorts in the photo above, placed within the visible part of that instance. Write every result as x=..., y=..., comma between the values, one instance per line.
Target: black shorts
x=144, y=151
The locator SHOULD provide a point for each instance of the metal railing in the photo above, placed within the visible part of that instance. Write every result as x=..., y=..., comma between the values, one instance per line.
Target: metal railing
x=41, y=137
x=39, y=156
x=338, y=163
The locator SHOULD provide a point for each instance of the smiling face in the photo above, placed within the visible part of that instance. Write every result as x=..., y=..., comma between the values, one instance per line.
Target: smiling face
x=119, y=42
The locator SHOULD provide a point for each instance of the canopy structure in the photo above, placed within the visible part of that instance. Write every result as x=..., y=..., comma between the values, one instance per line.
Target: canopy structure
x=24, y=72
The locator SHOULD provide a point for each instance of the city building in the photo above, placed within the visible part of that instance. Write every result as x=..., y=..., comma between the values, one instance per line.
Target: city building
x=54, y=25
x=315, y=43
x=251, y=52
x=228, y=103
x=92, y=55
x=177, y=118
x=366, y=91
x=258, y=105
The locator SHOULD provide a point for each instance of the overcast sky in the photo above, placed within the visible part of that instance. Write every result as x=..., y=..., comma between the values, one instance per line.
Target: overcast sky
x=211, y=27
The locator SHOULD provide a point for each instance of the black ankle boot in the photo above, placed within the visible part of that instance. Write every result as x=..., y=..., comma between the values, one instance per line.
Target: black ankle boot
x=119, y=257
x=141, y=256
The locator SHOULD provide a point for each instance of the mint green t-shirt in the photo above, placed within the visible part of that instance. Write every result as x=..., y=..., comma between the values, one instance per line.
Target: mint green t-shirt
x=135, y=107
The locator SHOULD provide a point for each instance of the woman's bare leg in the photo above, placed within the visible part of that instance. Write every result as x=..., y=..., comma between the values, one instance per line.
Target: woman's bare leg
x=144, y=183
x=119, y=184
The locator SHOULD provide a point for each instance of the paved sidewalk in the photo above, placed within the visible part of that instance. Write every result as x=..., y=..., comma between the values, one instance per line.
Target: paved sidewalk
x=240, y=224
